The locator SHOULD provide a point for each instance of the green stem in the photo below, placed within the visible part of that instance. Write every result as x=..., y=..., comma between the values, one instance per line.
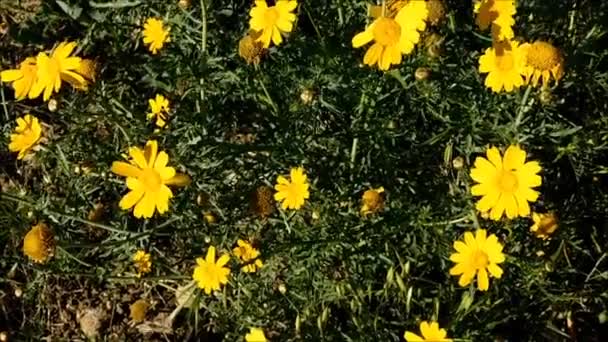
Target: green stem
x=520, y=112
x=4, y=104
x=204, y=29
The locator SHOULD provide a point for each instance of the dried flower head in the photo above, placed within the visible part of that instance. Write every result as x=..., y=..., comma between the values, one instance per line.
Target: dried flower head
x=38, y=243
x=544, y=225
x=139, y=309
x=372, y=201
x=262, y=201
x=250, y=49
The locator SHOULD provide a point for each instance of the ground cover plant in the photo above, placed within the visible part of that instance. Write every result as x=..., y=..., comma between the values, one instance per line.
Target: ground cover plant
x=323, y=170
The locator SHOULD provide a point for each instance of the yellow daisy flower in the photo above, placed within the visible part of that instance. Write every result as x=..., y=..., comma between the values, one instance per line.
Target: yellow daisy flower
x=430, y=332
x=499, y=15
x=155, y=34
x=38, y=244
x=543, y=61
x=88, y=71
x=210, y=274
x=142, y=262
x=504, y=63
x=248, y=255
x=544, y=225
x=292, y=193
x=250, y=49
x=159, y=109
x=272, y=21
x=477, y=255
x=505, y=183
x=255, y=335
x=23, y=78
x=372, y=201
x=27, y=135
x=393, y=37
x=55, y=68
x=147, y=177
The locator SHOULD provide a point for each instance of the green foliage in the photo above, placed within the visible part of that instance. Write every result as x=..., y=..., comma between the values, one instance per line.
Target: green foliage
x=346, y=278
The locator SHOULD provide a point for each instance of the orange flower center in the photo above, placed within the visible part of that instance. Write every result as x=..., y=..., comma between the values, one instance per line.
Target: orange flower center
x=543, y=56
x=504, y=61
x=271, y=16
x=387, y=32
x=480, y=259
x=507, y=181
x=151, y=179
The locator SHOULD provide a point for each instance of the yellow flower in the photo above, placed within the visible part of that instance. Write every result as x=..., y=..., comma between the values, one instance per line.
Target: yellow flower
x=292, y=193
x=430, y=332
x=372, y=201
x=142, y=262
x=272, y=21
x=26, y=136
x=23, y=78
x=544, y=225
x=248, y=255
x=38, y=243
x=155, y=34
x=499, y=14
x=159, y=109
x=250, y=49
x=209, y=274
x=88, y=71
x=255, y=335
x=52, y=70
x=147, y=177
x=393, y=37
x=138, y=310
x=505, y=182
x=543, y=61
x=504, y=63
x=477, y=255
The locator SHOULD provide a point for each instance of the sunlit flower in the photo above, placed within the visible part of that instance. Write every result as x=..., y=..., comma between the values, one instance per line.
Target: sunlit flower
x=255, y=335
x=543, y=62
x=250, y=49
x=148, y=177
x=38, y=244
x=372, y=201
x=23, y=78
x=155, y=34
x=248, y=255
x=479, y=256
x=499, y=15
x=210, y=274
x=544, y=225
x=272, y=21
x=294, y=192
x=138, y=310
x=143, y=262
x=430, y=332
x=393, y=37
x=55, y=68
x=504, y=63
x=159, y=110
x=27, y=135
x=505, y=183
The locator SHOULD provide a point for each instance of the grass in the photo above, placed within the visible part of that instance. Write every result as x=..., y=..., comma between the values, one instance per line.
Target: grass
x=329, y=274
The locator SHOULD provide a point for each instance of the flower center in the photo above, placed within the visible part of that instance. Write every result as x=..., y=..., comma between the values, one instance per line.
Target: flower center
x=271, y=16
x=480, y=259
x=543, y=56
x=151, y=179
x=505, y=61
x=507, y=181
x=387, y=32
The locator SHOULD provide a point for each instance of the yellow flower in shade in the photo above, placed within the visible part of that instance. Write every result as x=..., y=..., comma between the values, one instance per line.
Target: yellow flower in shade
x=26, y=136
x=505, y=183
x=372, y=201
x=391, y=9
x=142, y=262
x=38, y=244
x=543, y=62
x=159, y=109
x=504, y=63
x=248, y=255
x=499, y=15
x=210, y=274
x=250, y=49
x=272, y=21
x=138, y=310
x=148, y=177
x=255, y=335
x=55, y=68
x=544, y=225
x=88, y=71
x=23, y=78
x=292, y=193
x=155, y=34
x=478, y=255
x=430, y=332
x=393, y=37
